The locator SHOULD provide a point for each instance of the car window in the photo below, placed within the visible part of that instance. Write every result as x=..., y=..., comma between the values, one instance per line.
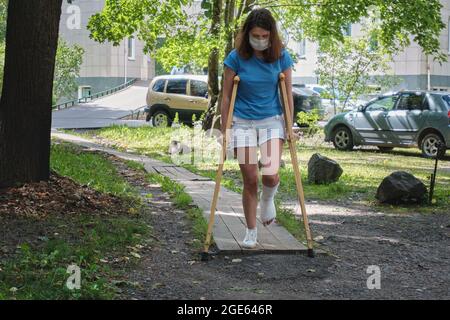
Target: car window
x=303, y=91
x=177, y=86
x=447, y=101
x=410, y=101
x=383, y=104
x=159, y=85
x=199, y=88
x=426, y=103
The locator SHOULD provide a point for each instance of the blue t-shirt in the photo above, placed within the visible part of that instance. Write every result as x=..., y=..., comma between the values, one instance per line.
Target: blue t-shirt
x=257, y=95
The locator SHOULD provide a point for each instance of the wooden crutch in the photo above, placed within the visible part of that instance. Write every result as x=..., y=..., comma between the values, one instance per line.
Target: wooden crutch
x=298, y=181
x=205, y=253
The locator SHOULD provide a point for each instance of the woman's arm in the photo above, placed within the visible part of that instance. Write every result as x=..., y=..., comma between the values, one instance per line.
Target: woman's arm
x=228, y=81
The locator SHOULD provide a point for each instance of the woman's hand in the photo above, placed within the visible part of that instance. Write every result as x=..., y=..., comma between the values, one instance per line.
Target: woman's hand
x=295, y=136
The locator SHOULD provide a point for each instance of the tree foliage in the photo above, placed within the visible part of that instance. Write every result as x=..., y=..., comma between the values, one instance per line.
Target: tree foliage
x=67, y=69
x=399, y=21
x=190, y=40
x=347, y=67
x=3, y=14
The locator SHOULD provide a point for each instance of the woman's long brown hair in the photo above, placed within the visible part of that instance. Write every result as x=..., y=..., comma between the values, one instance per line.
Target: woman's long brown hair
x=261, y=18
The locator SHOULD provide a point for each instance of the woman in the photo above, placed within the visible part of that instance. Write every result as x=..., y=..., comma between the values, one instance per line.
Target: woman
x=258, y=59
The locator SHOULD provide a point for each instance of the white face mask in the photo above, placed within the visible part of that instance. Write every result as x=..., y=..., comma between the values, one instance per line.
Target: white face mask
x=257, y=44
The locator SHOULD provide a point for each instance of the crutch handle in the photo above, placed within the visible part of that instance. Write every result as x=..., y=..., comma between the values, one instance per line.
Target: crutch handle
x=291, y=136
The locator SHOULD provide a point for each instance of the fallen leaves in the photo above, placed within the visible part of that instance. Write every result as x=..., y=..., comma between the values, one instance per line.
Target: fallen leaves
x=58, y=195
x=136, y=255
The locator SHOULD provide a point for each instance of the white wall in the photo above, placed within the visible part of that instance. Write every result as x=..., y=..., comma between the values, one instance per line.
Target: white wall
x=101, y=60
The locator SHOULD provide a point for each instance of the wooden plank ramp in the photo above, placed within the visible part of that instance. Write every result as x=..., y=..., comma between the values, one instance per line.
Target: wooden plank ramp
x=229, y=226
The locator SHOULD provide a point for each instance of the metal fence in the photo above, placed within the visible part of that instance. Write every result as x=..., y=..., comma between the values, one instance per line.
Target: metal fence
x=137, y=114
x=92, y=97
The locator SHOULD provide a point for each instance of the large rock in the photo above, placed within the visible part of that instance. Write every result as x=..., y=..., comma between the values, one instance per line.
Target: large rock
x=323, y=170
x=401, y=187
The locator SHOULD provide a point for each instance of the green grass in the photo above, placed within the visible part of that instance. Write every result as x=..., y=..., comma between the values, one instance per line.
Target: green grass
x=289, y=221
x=135, y=165
x=184, y=201
x=90, y=169
x=38, y=271
x=364, y=169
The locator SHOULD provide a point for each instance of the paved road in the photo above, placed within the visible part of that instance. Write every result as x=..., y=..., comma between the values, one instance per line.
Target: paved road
x=105, y=111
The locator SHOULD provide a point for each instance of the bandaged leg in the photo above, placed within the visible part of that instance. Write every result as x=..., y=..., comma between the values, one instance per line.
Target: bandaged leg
x=267, y=204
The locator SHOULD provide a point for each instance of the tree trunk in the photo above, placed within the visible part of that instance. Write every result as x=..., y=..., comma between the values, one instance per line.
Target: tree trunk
x=213, y=66
x=228, y=19
x=213, y=111
x=25, y=105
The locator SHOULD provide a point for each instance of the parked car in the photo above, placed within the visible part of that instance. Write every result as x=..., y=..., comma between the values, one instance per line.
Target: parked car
x=188, y=95
x=328, y=102
x=167, y=95
x=402, y=119
x=306, y=100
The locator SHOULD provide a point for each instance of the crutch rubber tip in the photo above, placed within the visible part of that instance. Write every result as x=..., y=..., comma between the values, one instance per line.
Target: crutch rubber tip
x=311, y=253
x=204, y=256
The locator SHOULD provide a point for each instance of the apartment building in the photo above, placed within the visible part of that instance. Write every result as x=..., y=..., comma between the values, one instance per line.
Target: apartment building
x=411, y=65
x=104, y=66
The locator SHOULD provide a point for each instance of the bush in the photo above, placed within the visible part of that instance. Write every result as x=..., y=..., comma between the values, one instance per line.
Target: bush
x=309, y=120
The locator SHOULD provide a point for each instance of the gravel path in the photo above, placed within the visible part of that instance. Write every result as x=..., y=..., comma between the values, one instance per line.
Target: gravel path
x=412, y=252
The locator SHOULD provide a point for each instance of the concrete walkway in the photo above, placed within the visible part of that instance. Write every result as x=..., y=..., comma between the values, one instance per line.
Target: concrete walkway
x=105, y=111
x=229, y=228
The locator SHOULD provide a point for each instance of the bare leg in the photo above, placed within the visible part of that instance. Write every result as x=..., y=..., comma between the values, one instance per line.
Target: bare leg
x=249, y=170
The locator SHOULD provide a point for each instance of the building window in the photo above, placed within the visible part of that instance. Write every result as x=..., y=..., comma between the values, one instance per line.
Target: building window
x=448, y=35
x=320, y=52
x=302, y=49
x=347, y=30
x=131, y=48
x=373, y=44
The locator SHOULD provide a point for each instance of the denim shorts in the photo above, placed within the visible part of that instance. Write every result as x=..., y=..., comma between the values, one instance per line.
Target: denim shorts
x=253, y=133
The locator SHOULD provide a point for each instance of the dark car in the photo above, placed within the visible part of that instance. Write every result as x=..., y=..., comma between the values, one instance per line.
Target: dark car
x=306, y=100
x=402, y=119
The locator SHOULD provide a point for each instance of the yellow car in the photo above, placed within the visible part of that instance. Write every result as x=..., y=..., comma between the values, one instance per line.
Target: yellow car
x=184, y=94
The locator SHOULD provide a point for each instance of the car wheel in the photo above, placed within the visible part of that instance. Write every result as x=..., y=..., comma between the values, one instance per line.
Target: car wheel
x=161, y=119
x=385, y=149
x=343, y=139
x=429, y=146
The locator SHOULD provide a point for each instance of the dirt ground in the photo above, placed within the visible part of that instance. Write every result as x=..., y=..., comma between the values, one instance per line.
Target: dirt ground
x=412, y=252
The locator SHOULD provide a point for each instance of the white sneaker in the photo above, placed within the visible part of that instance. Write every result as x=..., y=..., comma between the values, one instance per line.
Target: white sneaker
x=250, y=239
